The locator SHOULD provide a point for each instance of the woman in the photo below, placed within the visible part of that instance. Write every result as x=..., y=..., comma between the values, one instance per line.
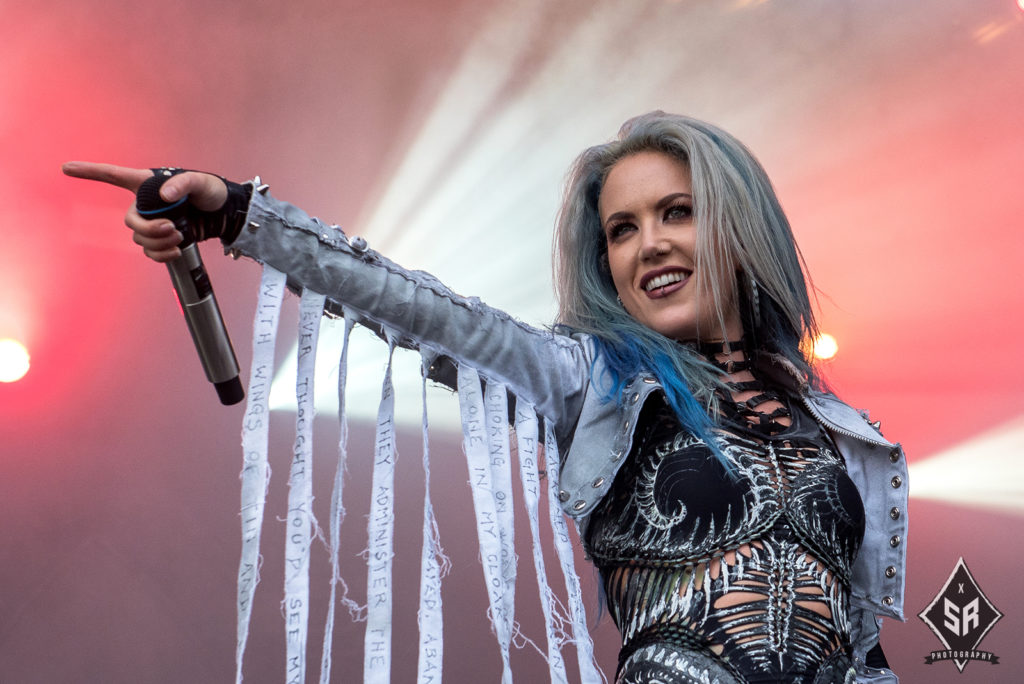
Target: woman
x=748, y=526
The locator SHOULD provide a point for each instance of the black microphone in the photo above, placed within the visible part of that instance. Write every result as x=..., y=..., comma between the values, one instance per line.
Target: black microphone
x=195, y=294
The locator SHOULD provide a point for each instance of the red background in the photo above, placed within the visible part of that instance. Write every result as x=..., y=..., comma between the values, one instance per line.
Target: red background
x=891, y=130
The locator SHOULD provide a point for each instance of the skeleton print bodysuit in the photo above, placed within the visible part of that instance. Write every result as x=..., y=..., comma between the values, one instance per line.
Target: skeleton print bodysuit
x=741, y=576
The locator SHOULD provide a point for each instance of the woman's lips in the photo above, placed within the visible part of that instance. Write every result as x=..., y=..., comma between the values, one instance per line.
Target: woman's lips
x=663, y=283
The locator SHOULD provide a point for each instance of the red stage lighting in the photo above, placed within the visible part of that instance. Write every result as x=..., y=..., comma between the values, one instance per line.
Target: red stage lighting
x=14, y=360
x=825, y=346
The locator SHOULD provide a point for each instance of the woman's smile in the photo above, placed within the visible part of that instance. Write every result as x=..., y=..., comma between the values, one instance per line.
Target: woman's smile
x=663, y=282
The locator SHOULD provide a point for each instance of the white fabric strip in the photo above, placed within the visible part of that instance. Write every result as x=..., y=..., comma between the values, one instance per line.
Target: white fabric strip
x=474, y=432
x=431, y=647
x=381, y=530
x=589, y=674
x=255, y=434
x=337, y=505
x=300, y=520
x=526, y=448
x=496, y=407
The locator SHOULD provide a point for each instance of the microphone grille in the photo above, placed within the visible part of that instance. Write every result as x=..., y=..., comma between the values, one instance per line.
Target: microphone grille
x=148, y=200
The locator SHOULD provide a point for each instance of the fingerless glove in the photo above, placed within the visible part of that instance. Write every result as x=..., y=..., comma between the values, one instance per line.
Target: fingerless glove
x=224, y=223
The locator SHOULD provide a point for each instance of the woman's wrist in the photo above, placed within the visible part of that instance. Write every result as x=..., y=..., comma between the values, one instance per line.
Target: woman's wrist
x=234, y=211
x=225, y=222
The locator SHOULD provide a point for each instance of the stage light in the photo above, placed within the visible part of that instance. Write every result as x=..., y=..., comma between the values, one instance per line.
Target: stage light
x=474, y=197
x=825, y=346
x=983, y=472
x=1020, y=5
x=14, y=360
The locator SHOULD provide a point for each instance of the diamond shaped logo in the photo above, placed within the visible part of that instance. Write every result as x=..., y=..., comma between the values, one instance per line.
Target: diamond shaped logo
x=960, y=615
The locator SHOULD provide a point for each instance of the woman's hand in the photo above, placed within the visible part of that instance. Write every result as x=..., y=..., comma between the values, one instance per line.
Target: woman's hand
x=158, y=237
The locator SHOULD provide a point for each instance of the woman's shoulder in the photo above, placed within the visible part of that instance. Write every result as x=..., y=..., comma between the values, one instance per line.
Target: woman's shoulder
x=824, y=405
x=835, y=413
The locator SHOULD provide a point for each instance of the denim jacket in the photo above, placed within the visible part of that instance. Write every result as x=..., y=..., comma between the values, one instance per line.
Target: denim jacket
x=554, y=373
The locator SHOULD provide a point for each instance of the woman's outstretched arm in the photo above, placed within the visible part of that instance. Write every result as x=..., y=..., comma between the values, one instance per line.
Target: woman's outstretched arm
x=548, y=370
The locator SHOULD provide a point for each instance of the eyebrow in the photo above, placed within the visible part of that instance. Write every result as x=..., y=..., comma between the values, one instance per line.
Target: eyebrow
x=662, y=203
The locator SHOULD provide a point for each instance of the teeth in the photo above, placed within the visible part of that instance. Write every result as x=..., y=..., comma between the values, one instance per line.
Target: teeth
x=663, y=280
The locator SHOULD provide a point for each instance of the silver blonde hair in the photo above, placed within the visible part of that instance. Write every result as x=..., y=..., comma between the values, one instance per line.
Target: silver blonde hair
x=742, y=234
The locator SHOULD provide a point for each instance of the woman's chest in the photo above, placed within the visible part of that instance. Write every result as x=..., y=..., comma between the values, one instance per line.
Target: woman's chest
x=675, y=501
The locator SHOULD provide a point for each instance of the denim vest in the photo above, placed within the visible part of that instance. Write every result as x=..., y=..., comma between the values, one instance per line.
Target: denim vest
x=553, y=373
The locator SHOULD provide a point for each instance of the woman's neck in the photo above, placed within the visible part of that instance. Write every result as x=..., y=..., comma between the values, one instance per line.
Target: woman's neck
x=744, y=388
x=729, y=356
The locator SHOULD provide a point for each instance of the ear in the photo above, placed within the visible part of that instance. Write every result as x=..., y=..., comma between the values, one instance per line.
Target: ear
x=603, y=262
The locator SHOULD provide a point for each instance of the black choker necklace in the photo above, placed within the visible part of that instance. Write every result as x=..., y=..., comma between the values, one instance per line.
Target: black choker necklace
x=712, y=350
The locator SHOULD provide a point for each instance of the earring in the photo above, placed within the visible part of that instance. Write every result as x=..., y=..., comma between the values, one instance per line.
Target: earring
x=619, y=300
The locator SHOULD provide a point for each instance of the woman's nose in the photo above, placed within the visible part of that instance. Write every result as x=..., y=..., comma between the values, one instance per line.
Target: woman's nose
x=653, y=243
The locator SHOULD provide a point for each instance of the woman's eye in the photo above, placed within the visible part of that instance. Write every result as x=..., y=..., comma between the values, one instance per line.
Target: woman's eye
x=679, y=212
x=618, y=230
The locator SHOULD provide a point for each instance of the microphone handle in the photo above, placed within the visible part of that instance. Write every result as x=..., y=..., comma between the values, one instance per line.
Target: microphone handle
x=204, y=320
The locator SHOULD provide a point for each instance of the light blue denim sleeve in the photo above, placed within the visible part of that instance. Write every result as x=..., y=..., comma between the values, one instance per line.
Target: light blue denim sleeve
x=548, y=370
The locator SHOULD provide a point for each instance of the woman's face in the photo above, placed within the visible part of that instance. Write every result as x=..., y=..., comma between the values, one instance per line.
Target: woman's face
x=646, y=209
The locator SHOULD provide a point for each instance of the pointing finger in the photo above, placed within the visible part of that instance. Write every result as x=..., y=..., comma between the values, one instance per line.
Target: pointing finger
x=121, y=176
